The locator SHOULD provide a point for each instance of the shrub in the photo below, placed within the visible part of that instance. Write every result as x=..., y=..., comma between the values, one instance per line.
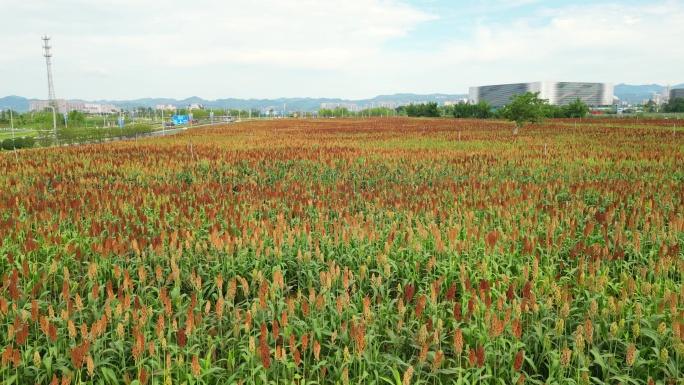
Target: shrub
x=8, y=144
x=29, y=142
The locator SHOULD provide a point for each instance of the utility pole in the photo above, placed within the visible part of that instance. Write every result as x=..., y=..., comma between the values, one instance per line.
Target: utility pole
x=54, y=122
x=51, y=88
x=12, y=125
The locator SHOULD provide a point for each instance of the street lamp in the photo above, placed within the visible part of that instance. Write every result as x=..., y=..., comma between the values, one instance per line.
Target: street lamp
x=12, y=126
x=120, y=123
x=54, y=122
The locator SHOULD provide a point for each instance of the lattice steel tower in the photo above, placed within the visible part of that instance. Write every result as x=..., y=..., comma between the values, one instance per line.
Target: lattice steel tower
x=51, y=88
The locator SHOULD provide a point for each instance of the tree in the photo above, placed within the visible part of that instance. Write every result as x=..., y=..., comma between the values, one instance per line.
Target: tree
x=482, y=110
x=430, y=110
x=76, y=117
x=675, y=105
x=650, y=106
x=463, y=110
x=42, y=117
x=325, y=113
x=377, y=111
x=198, y=114
x=22, y=118
x=525, y=108
x=45, y=137
x=577, y=109
x=552, y=111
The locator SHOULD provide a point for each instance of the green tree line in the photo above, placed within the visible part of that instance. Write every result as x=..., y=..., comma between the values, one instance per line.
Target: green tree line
x=674, y=105
x=428, y=110
x=80, y=134
x=484, y=110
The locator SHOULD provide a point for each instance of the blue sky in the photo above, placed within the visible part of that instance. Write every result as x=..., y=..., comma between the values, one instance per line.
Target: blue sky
x=128, y=49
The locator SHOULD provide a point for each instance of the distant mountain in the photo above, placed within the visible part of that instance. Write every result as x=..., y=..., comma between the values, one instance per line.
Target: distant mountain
x=629, y=93
x=291, y=104
x=17, y=103
x=639, y=93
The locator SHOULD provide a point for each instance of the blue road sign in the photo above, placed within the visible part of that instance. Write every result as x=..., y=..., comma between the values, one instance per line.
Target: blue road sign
x=180, y=119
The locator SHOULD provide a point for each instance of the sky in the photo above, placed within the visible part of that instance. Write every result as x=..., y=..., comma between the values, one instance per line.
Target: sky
x=352, y=49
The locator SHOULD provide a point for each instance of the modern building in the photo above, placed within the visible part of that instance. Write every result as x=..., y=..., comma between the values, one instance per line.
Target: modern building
x=95, y=109
x=390, y=105
x=65, y=106
x=557, y=93
x=455, y=102
x=40, y=105
x=676, y=93
x=348, y=106
x=658, y=99
x=166, y=107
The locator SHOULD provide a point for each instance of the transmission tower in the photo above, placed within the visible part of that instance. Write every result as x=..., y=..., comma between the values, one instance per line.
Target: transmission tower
x=51, y=88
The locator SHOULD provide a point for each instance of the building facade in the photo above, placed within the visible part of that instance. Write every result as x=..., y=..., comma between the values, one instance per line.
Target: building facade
x=676, y=93
x=455, y=102
x=65, y=106
x=557, y=93
x=166, y=107
x=40, y=105
x=349, y=106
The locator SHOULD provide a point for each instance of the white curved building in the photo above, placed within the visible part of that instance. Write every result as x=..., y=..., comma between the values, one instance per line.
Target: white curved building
x=557, y=93
x=676, y=93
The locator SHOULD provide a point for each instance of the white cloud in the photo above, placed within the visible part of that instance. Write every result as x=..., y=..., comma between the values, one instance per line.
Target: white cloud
x=602, y=42
x=309, y=34
x=355, y=49
x=97, y=72
x=135, y=39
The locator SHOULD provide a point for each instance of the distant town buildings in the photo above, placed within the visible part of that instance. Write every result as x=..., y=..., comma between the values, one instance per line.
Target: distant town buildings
x=665, y=96
x=166, y=107
x=390, y=105
x=65, y=106
x=455, y=102
x=658, y=98
x=332, y=106
x=557, y=93
x=381, y=104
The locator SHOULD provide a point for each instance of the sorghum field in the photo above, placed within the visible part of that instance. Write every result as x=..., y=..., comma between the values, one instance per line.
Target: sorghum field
x=387, y=251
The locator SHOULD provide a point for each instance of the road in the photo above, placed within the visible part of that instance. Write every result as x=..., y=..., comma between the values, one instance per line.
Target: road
x=170, y=131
